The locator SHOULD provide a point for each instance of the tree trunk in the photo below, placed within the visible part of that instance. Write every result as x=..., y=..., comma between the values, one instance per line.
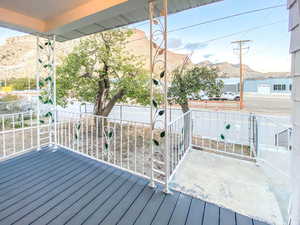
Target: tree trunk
x=102, y=107
x=185, y=107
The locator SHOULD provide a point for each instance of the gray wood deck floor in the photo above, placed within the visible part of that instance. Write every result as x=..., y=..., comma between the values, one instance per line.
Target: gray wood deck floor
x=65, y=188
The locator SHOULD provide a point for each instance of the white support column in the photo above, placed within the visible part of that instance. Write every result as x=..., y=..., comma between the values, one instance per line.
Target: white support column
x=151, y=18
x=158, y=16
x=294, y=27
x=46, y=86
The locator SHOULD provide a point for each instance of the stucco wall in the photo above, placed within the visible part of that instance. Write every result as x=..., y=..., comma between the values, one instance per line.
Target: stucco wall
x=294, y=27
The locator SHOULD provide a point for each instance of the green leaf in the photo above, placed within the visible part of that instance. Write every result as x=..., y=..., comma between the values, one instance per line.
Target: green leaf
x=110, y=134
x=48, y=114
x=155, y=82
x=41, y=83
x=78, y=126
x=42, y=121
x=228, y=126
x=76, y=137
x=47, y=65
x=154, y=103
x=163, y=134
x=156, y=142
x=48, y=79
x=161, y=112
x=106, y=146
x=222, y=137
x=162, y=74
x=41, y=47
x=40, y=98
x=40, y=61
x=48, y=43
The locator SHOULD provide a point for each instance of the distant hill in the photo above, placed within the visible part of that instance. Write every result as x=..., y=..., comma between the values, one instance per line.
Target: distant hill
x=20, y=53
x=233, y=70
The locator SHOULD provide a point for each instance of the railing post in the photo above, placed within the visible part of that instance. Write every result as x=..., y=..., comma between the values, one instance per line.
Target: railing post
x=54, y=93
x=38, y=92
x=165, y=37
x=151, y=18
x=191, y=130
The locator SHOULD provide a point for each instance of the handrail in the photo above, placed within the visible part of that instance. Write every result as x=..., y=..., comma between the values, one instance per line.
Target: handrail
x=103, y=117
x=180, y=117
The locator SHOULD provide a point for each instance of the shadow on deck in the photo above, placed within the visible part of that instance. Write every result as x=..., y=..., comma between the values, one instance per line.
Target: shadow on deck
x=63, y=187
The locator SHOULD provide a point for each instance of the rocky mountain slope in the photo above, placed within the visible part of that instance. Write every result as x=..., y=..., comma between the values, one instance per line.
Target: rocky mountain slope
x=19, y=54
x=233, y=70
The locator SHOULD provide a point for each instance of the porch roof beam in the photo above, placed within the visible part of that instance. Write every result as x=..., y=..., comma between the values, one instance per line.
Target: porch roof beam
x=43, y=18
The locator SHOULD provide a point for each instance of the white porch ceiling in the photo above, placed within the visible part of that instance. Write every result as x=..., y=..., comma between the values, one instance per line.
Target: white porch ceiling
x=70, y=19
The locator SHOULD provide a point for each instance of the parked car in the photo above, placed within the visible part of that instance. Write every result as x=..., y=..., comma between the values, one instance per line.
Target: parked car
x=230, y=96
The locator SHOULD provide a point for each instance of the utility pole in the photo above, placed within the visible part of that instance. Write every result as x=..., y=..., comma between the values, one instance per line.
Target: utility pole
x=241, y=47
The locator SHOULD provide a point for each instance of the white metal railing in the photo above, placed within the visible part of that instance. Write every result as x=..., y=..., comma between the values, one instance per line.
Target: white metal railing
x=228, y=133
x=274, y=147
x=240, y=140
x=126, y=144
x=19, y=133
x=179, y=141
x=121, y=143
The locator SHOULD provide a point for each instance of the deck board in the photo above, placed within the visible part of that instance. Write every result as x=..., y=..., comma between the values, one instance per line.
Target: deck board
x=166, y=209
x=211, y=214
x=181, y=211
x=119, y=210
x=62, y=187
x=196, y=212
x=243, y=220
x=150, y=210
x=227, y=217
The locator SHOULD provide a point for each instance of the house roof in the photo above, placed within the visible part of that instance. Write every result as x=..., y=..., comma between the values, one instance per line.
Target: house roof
x=69, y=19
x=62, y=187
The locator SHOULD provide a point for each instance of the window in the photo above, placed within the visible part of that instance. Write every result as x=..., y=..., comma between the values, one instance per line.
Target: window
x=279, y=87
x=276, y=87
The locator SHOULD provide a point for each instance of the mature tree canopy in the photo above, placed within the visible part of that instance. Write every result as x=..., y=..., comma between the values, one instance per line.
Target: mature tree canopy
x=101, y=71
x=187, y=82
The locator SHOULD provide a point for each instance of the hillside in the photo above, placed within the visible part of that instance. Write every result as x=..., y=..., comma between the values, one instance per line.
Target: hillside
x=233, y=70
x=20, y=53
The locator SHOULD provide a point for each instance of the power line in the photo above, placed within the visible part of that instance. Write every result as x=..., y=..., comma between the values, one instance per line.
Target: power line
x=223, y=18
x=236, y=33
x=217, y=19
x=226, y=17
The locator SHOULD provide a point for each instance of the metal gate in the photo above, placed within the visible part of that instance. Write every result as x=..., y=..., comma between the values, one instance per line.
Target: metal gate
x=226, y=133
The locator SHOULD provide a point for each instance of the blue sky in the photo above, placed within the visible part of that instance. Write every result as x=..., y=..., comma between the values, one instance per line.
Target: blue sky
x=268, y=51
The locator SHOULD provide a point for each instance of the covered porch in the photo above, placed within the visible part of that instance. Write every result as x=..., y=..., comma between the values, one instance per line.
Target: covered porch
x=62, y=167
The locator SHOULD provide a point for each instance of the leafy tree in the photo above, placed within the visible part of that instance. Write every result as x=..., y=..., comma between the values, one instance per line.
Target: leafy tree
x=101, y=71
x=187, y=82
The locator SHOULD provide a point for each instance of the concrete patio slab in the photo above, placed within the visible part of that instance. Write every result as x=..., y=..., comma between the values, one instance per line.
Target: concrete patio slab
x=235, y=184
